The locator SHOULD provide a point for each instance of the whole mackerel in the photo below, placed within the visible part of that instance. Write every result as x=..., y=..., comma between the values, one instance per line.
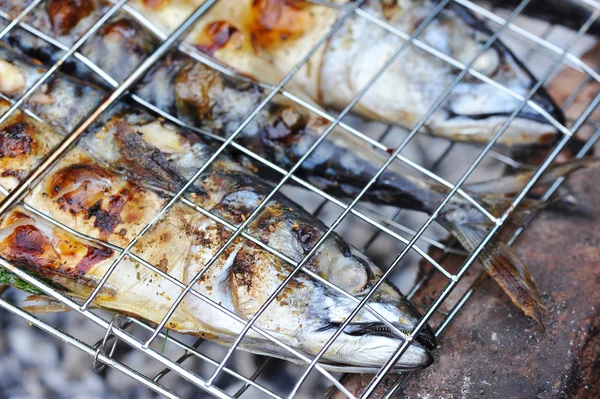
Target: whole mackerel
x=264, y=39
x=119, y=176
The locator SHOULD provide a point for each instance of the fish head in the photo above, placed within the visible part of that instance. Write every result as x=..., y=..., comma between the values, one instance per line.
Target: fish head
x=476, y=109
x=308, y=312
x=379, y=328
x=412, y=84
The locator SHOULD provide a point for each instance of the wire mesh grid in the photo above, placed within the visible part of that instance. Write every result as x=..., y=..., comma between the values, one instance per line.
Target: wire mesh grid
x=119, y=328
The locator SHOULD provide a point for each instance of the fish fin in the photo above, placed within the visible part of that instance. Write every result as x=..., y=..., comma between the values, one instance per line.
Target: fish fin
x=511, y=184
x=146, y=162
x=51, y=305
x=506, y=268
x=46, y=308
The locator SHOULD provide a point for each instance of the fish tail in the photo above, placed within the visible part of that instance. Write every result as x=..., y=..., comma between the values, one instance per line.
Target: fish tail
x=506, y=268
x=512, y=184
x=498, y=259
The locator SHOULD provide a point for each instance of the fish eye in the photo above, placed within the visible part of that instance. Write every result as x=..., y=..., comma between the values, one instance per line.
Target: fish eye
x=488, y=63
x=352, y=274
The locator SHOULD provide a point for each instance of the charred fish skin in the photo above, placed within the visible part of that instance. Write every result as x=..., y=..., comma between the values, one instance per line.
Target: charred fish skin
x=120, y=175
x=255, y=39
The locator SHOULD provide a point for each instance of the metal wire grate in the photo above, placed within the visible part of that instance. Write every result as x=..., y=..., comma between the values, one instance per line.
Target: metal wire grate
x=382, y=225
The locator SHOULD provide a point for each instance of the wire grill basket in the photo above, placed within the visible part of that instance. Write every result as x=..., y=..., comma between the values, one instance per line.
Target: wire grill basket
x=382, y=226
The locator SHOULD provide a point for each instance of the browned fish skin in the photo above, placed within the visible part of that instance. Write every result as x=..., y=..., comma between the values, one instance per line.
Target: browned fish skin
x=280, y=133
x=64, y=15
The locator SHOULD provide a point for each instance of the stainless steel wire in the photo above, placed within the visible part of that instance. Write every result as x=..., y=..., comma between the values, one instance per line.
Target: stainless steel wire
x=250, y=217
x=20, y=17
x=439, y=101
x=346, y=11
x=90, y=351
x=322, y=239
x=396, y=385
x=47, y=74
x=516, y=201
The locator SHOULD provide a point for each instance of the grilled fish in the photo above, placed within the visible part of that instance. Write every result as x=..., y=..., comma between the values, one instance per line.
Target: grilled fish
x=264, y=39
x=117, y=178
x=281, y=133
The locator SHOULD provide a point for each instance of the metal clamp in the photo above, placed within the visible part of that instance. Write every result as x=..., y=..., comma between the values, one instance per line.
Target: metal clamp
x=100, y=346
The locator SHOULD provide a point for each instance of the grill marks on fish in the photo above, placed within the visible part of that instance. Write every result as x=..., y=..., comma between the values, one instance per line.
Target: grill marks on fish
x=87, y=189
x=16, y=140
x=66, y=14
x=48, y=250
x=82, y=189
x=28, y=245
x=272, y=22
x=217, y=34
x=93, y=256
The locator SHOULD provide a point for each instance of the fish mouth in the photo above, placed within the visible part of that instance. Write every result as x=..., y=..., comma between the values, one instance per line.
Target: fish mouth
x=527, y=115
x=542, y=99
x=425, y=338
